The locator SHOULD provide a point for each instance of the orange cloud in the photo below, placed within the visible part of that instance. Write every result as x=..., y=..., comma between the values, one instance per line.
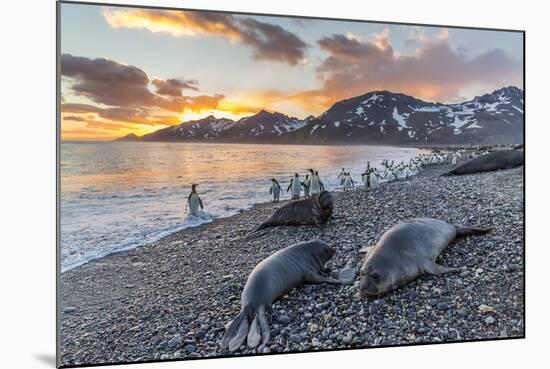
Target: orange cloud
x=176, y=23
x=267, y=41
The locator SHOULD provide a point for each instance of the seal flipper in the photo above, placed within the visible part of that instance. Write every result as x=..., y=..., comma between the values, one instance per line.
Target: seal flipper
x=254, y=334
x=237, y=331
x=264, y=225
x=433, y=268
x=317, y=278
x=463, y=230
x=259, y=329
x=264, y=325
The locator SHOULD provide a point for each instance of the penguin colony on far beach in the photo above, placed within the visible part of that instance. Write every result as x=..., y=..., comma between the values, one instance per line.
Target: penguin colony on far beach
x=371, y=178
x=410, y=248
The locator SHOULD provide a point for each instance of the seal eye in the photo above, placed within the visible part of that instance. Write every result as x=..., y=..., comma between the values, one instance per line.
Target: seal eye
x=375, y=276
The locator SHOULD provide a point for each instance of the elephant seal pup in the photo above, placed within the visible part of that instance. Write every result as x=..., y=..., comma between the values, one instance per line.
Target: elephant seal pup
x=408, y=250
x=504, y=159
x=272, y=278
x=313, y=210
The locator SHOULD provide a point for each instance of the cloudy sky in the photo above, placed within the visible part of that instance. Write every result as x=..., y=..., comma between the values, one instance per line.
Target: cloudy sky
x=127, y=70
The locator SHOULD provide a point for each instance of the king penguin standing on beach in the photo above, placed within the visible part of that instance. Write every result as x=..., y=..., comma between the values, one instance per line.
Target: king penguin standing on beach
x=316, y=186
x=348, y=182
x=365, y=177
x=342, y=174
x=296, y=186
x=194, y=201
x=275, y=190
x=306, y=185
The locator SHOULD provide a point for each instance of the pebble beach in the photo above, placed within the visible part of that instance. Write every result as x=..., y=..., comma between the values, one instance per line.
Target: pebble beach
x=172, y=298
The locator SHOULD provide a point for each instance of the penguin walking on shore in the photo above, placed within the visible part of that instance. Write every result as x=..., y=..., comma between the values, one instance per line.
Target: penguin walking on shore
x=407, y=171
x=374, y=178
x=365, y=177
x=275, y=190
x=342, y=174
x=348, y=182
x=391, y=174
x=296, y=186
x=305, y=184
x=453, y=162
x=316, y=185
x=194, y=201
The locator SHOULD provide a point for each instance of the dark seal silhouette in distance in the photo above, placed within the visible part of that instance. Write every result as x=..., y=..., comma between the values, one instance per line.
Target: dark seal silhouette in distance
x=503, y=159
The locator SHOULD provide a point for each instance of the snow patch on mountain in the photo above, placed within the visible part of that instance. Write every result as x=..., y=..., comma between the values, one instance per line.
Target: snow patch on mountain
x=401, y=119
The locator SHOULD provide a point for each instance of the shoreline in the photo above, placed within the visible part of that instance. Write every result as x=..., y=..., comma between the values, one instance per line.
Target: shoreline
x=426, y=146
x=183, y=226
x=171, y=299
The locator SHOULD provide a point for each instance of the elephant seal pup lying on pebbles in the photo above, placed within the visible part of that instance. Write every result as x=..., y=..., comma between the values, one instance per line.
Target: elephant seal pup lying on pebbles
x=313, y=210
x=408, y=250
x=272, y=278
x=504, y=159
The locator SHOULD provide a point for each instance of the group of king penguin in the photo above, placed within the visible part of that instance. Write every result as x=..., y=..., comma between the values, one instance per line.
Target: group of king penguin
x=311, y=185
x=371, y=178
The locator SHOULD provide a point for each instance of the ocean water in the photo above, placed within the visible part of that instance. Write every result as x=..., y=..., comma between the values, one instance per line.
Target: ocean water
x=117, y=196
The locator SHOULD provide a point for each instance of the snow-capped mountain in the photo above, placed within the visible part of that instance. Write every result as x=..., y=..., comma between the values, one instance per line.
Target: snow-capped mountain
x=206, y=129
x=391, y=118
x=378, y=117
x=263, y=125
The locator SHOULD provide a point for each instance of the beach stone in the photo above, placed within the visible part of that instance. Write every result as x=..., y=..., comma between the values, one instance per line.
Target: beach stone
x=490, y=320
x=442, y=305
x=347, y=338
x=226, y=278
x=69, y=310
x=373, y=309
x=486, y=309
x=189, y=349
x=173, y=343
x=322, y=305
x=283, y=318
x=347, y=275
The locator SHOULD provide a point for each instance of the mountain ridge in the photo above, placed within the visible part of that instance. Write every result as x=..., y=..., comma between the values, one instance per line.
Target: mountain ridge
x=376, y=117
